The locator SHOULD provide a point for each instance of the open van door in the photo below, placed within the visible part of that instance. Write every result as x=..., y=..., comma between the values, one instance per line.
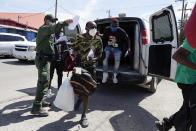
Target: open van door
x=163, y=44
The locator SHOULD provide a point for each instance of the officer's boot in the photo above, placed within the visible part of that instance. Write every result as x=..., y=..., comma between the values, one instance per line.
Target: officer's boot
x=39, y=111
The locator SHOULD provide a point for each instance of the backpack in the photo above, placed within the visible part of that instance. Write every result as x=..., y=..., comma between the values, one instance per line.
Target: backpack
x=69, y=63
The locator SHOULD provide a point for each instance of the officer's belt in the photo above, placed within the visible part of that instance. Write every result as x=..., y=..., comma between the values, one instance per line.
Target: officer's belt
x=49, y=57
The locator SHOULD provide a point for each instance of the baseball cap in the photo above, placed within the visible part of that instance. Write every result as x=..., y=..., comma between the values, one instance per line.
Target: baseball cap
x=50, y=17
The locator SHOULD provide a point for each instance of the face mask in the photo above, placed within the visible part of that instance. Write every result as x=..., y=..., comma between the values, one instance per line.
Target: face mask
x=113, y=28
x=92, y=32
x=51, y=23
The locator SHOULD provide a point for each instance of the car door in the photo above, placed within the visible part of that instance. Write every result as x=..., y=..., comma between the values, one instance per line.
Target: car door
x=163, y=44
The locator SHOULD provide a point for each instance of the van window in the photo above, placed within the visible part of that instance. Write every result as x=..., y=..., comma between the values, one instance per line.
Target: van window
x=10, y=38
x=162, y=27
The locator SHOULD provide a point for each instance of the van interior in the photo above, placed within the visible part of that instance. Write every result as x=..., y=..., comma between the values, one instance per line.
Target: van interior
x=126, y=62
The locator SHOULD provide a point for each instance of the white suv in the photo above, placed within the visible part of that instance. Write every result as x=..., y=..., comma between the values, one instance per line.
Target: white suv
x=25, y=51
x=7, y=42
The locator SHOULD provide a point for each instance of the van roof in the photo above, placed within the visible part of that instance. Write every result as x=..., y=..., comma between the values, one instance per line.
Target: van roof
x=122, y=19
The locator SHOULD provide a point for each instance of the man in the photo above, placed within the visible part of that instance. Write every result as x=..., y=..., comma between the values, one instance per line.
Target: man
x=57, y=62
x=88, y=49
x=114, y=38
x=186, y=81
x=45, y=52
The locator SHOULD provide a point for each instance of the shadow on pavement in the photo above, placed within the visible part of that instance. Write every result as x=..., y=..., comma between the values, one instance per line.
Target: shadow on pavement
x=15, y=116
x=16, y=62
x=124, y=98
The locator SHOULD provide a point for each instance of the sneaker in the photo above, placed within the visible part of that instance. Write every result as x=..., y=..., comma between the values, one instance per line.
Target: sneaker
x=84, y=122
x=39, y=112
x=49, y=94
x=163, y=125
x=105, y=77
x=115, y=80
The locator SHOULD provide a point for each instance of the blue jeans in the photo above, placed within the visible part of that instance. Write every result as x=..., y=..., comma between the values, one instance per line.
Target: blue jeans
x=117, y=54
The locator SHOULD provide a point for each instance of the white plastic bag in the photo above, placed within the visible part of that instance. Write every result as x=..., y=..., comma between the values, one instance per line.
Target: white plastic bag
x=65, y=96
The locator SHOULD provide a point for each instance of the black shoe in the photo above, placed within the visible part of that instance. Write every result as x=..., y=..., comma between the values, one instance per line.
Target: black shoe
x=84, y=122
x=77, y=105
x=163, y=125
x=46, y=104
x=39, y=112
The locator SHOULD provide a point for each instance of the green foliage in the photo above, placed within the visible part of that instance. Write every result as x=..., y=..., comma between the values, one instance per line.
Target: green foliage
x=181, y=35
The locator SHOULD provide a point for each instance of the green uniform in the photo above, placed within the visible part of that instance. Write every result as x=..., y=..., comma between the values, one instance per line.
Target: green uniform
x=44, y=42
x=184, y=74
x=83, y=45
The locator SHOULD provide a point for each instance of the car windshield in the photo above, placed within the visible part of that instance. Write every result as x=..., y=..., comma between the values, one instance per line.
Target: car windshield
x=10, y=38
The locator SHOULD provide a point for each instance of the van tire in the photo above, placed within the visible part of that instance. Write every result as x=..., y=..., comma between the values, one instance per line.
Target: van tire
x=153, y=85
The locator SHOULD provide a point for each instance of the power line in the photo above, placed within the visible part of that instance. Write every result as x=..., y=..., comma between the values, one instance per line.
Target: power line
x=38, y=13
x=66, y=10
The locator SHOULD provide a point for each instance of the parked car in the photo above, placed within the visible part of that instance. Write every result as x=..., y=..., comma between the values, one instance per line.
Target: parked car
x=7, y=42
x=152, y=49
x=27, y=51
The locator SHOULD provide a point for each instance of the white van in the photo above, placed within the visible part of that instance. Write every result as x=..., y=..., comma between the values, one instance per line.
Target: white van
x=7, y=42
x=152, y=49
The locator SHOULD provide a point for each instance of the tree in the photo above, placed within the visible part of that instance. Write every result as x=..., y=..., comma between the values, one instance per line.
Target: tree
x=181, y=35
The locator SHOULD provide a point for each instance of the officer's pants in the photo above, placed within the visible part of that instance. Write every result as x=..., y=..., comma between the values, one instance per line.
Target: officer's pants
x=186, y=116
x=42, y=83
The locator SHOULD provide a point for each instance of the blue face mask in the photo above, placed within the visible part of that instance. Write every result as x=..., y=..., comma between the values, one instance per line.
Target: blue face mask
x=113, y=28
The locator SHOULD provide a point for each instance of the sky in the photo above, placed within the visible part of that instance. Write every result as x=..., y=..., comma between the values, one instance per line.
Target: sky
x=89, y=10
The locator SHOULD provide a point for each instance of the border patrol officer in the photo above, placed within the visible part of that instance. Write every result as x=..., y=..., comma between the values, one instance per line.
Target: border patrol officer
x=45, y=52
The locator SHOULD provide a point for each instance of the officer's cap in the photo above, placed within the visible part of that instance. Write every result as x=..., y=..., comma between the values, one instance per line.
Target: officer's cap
x=50, y=17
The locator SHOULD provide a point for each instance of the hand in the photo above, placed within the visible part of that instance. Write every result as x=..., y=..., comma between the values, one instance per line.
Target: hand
x=129, y=49
x=68, y=21
x=98, y=33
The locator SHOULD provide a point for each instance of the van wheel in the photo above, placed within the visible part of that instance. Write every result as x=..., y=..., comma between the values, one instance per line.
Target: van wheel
x=153, y=85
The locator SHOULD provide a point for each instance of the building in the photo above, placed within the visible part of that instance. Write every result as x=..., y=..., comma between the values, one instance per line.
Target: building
x=25, y=24
x=34, y=20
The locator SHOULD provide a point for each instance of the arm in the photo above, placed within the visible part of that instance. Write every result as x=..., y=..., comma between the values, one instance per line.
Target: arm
x=99, y=49
x=76, y=45
x=181, y=57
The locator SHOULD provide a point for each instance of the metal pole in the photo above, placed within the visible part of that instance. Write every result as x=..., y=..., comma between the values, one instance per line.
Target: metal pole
x=56, y=9
x=182, y=12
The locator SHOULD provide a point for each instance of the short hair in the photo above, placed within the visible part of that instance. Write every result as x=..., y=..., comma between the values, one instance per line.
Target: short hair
x=115, y=21
x=90, y=22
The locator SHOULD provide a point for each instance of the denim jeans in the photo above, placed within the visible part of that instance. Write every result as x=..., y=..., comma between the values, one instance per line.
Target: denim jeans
x=117, y=54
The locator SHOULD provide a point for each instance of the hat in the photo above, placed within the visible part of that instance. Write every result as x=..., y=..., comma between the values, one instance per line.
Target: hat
x=50, y=17
x=190, y=29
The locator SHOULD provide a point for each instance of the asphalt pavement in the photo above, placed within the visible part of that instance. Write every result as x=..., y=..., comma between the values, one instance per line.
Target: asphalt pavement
x=123, y=108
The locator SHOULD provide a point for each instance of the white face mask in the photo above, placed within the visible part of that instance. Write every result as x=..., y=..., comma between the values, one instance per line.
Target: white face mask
x=92, y=32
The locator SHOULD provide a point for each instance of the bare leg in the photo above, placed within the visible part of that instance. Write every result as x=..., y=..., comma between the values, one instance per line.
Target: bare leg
x=84, y=122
